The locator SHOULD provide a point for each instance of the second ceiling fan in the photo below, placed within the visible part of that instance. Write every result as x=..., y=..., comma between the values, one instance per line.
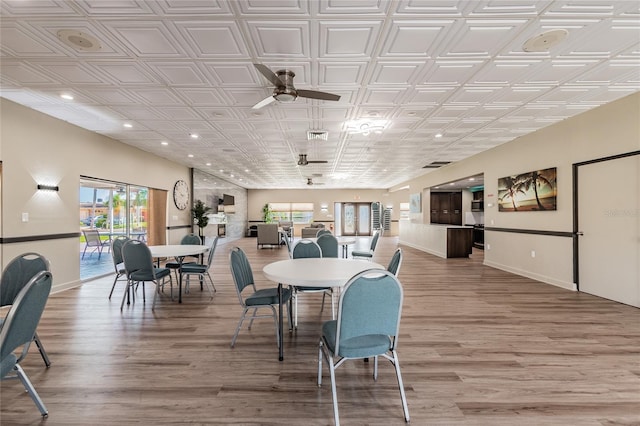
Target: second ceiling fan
x=284, y=90
x=302, y=160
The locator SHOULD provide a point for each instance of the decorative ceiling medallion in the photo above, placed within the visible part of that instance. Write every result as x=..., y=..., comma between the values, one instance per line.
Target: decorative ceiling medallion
x=79, y=40
x=545, y=41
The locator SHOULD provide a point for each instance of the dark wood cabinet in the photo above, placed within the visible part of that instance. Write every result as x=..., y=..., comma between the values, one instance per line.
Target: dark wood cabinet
x=459, y=242
x=446, y=208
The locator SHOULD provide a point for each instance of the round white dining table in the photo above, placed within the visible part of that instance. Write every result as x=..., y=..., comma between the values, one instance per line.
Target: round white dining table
x=313, y=272
x=179, y=252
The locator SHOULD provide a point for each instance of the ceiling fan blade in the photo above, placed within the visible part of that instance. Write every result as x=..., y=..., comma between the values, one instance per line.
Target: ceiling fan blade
x=317, y=161
x=314, y=94
x=269, y=75
x=264, y=102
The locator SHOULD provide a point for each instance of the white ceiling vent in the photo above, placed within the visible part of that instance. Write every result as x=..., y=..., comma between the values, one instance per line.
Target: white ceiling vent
x=317, y=135
x=545, y=41
x=79, y=40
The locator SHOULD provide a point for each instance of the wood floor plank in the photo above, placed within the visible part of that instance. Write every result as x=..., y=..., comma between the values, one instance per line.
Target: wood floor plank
x=478, y=346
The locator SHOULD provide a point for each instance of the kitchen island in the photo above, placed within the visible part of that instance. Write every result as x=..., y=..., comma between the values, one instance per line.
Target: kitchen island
x=446, y=241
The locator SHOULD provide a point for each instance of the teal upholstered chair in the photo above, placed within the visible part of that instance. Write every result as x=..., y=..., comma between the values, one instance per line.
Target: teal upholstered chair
x=138, y=263
x=118, y=262
x=368, y=325
x=189, y=239
x=367, y=254
x=308, y=249
x=19, y=328
x=201, y=270
x=395, y=262
x=15, y=276
x=328, y=244
x=323, y=232
x=250, y=297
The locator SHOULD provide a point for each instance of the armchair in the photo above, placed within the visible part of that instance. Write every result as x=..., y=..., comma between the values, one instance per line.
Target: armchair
x=268, y=234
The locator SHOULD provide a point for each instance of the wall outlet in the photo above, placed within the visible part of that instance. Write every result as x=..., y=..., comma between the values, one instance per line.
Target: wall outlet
x=533, y=253
x=492, y=222
x=25, y=217
x=488, y=246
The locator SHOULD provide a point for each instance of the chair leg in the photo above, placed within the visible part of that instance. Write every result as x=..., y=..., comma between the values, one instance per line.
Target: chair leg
x=396, y=364
x=375, y=367
x=114, y=285
x=212, y=284
x=235, y=335
x=31, y=390
x=43, y=352
x=320, y=363
x=334, y=394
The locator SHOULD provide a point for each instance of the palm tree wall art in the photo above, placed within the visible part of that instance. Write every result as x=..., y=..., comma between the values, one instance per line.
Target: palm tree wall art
x=531, y=191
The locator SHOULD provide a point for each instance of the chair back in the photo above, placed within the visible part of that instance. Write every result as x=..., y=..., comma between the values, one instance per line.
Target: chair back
x=305, y=249
x=374, y=241
x=370, y=305
x=396, y=262
x=92, y=237
x=17, y=274
x=212, y=251
x=137, y=257
x=328, y=244
x=191, y=239
x=288, y=245
x=116, y=250
x=240, y=271
x=323, y=232
x=22, y=320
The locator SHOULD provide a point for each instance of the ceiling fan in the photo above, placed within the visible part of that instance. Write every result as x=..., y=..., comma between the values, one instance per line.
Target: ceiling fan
x=302, y=160
x=285, y=91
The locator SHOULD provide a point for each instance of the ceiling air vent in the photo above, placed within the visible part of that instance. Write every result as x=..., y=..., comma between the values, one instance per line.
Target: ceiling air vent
x=320, y=135
x=436, y=164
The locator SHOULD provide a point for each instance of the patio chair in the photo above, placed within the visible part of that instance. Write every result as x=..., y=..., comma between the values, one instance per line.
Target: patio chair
x=93, y=241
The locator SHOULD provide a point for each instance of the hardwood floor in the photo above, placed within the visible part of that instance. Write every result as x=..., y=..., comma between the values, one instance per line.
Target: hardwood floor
x=478, y=346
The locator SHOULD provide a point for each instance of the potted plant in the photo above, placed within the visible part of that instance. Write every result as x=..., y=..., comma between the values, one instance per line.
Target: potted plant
x=199, y=214
x=267, y=213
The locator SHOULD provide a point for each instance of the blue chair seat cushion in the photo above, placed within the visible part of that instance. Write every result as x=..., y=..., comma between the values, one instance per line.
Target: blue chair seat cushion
x=194, y=268
x=356, y=347
x=267, y=296
x=7, y=364
x=312, y=288
x=145, y=276
x=361, y=253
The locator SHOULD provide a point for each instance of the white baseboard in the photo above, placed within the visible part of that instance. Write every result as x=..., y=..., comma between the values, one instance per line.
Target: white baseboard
x=538, y=277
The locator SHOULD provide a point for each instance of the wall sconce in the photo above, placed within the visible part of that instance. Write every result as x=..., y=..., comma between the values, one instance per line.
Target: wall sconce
x=48, y=187
x=324, y=208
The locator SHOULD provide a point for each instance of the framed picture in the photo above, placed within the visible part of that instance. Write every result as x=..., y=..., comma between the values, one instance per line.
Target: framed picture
x=531, y=191
x=415, y=203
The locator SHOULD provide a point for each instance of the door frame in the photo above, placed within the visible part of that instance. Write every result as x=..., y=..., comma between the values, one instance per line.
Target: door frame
x=576, y=226
x=357, y=217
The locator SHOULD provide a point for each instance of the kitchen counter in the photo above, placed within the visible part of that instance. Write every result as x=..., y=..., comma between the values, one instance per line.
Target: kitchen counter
x=445, y=241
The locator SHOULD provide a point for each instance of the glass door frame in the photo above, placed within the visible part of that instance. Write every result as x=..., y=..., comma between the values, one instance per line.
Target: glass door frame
x=359, y=218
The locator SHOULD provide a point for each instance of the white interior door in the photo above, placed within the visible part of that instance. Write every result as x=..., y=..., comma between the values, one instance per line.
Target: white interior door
x=609, y=219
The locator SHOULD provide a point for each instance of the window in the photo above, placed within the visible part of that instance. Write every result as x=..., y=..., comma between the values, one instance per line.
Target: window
x=404, y=210
x=294, y=212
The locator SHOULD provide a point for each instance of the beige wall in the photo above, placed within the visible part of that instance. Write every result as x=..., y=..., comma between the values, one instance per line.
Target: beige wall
x=608, y=130
x=36, y=148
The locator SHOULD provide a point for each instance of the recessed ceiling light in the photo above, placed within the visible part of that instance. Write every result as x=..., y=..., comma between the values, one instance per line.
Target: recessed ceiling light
x=165, y=143
x=231, y=176
x=67, y=96
x=208, y=164
x=246, y=170
x=190, y=156
x=221, y=171
x=438, y=135
x=194, y=135
x=128, y=125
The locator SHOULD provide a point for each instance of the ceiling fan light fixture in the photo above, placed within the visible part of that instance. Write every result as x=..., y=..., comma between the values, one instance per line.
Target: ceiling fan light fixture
x=286, y=97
